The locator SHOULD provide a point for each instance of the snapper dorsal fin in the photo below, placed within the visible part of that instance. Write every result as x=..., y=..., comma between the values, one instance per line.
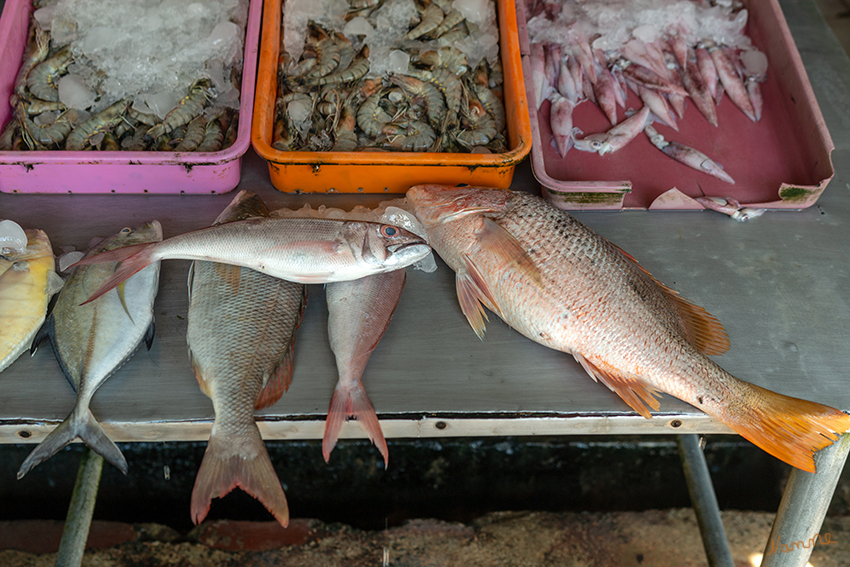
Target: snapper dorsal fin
x=701, y=328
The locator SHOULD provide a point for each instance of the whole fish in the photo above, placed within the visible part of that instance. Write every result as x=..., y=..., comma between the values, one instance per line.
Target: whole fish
x=567, y=288
x=359, y=313
x=92, y=341
x=302, y=250
x=241, y=331
x=27, y=281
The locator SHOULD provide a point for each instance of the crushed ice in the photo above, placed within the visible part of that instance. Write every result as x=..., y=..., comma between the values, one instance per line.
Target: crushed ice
x=13, y=239
x=153, y=49
x=615, y=22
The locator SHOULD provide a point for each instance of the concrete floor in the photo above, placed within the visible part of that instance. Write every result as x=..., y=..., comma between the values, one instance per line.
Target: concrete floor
x=655, y=538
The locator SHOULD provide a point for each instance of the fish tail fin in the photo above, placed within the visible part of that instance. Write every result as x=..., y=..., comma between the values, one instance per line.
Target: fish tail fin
x=242, y=461
x=788, y=428
x=350, y=400
x=132, y=260
x=83, y=426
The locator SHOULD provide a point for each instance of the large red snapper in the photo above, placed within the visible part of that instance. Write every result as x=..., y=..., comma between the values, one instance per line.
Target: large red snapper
x=564, y=286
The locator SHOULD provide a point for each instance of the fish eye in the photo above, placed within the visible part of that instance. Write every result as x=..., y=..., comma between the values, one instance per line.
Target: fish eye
x=389, y=231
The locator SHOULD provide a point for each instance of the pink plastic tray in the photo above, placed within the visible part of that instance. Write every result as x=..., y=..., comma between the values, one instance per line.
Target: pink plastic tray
x=782, y=162
x=120, y=172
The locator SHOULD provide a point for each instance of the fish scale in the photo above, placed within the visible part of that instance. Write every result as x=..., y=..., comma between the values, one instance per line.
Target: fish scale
x=241, y=328
x=564, y=286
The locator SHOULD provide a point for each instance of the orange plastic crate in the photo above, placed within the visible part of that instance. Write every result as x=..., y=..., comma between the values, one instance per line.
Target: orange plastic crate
x=388, y=172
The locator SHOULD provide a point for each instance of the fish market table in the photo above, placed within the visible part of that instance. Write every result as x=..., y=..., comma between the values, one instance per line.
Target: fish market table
x=779, y=284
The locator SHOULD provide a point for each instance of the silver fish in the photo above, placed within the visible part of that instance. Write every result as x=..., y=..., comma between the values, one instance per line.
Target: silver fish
x=304, y=250
x=241, y=328
x=92, y=341
x=359, y=313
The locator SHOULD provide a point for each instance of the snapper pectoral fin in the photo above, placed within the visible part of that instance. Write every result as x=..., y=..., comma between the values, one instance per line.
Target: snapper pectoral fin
x=499, y=242
x=634, y=392
x=472, y=292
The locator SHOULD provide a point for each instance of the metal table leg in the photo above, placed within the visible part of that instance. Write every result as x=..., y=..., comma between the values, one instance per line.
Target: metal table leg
x=803, y=507
x=704, y=501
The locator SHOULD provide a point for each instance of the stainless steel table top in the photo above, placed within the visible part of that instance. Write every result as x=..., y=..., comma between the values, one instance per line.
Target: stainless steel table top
x=780, y=284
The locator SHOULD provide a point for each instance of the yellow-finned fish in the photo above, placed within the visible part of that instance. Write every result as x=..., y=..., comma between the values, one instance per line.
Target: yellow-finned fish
x=241, y=331
x=92, y=341
x=27, y=281
x=565, y=287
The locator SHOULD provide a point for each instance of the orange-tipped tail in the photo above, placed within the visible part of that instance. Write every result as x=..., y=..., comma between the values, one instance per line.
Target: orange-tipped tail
x=350, y=400
x=232, y=461
x=788, y=428
x=133, y=259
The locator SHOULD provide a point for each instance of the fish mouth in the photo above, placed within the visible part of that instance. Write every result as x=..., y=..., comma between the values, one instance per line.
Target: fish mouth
x=395, y=248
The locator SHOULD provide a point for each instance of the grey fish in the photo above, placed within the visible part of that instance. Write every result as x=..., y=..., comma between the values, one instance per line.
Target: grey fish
x=92, y=341
x=241, y=331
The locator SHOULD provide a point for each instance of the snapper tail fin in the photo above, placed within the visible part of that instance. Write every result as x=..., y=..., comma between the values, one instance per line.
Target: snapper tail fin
x=81, y=425
x=788, y=428
x=242, y=461
x=132, y=260
x=350, y=400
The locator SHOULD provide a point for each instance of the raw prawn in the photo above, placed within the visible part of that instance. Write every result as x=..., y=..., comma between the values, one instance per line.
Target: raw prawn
x=41, y=81
x=187, y=108
x=100, y=122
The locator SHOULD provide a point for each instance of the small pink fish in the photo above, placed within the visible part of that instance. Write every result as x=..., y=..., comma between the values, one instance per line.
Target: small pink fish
x=688, y=156
x=359, y=314
x=618, y=136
